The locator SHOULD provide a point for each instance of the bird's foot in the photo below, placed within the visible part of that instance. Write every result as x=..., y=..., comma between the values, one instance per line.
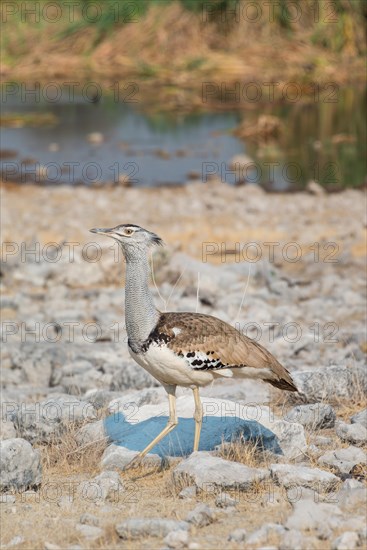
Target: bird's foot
x=134, y=463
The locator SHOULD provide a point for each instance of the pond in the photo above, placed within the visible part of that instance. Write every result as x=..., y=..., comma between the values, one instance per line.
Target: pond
x=107, y=142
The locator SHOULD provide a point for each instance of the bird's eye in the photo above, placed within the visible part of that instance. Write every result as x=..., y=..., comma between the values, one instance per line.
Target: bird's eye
x=129, y=231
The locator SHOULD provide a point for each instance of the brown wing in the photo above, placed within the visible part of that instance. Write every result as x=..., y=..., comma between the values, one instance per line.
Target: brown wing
x=224, y=346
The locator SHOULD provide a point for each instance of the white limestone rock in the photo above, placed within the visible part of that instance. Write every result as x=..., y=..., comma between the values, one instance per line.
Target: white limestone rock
x=46, y=420
x=89, y=519
x=289, y=476
x=105, y=486
x=7, y=429
x=149, y=527
x=130, y=401
x=92, y=433
x=308, y=515
x=353, y=433
x=90, y=532
x=295, y=540
x=313, y=417
x=343, y=460
x=352, y=498
x=201, y=516
x=208, y=471
x=224, y=500
x=116, y=457
x=188, y=492
x=20, y=465
x=177, y=539
x=360, y=418
x=329, y=383
x=260, y=536
x=238, y=535
x=347, y=541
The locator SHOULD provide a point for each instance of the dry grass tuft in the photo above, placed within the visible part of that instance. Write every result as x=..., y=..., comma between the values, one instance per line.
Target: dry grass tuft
x=65, y=456
x=248, y=453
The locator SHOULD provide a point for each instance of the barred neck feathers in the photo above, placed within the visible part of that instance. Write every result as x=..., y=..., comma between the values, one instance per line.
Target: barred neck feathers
x=141, y=315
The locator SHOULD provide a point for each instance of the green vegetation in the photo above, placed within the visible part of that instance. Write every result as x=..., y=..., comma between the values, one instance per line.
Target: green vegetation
x=342, y=26
x=343, y=15
x=186, y=42
x=336, y=24
x=119, y=13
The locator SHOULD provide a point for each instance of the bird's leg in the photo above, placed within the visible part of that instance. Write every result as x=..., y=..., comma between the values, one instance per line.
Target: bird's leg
x=171, y=424
x=198, y=416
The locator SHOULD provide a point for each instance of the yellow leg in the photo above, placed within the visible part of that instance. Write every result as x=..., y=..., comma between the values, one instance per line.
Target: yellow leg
x=198, y=416
x=171, y=424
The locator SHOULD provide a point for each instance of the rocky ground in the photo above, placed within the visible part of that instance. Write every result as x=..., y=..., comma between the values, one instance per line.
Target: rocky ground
x=274, y=471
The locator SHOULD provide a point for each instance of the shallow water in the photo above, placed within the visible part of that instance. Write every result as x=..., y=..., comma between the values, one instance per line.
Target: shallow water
x=321, y=140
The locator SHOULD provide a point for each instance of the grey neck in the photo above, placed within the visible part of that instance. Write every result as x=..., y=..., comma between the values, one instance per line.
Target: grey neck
x=140, y=314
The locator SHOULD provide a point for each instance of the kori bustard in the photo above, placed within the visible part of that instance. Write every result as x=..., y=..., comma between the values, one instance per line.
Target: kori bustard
x=179, y=348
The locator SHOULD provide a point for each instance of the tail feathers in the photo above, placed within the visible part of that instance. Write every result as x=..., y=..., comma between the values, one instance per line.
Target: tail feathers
x=283, y=384
x=281, y=378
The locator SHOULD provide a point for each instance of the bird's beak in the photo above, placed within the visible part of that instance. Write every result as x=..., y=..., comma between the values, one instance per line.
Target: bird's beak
x=102, y=231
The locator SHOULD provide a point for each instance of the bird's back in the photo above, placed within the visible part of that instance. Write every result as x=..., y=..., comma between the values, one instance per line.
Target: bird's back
x=209, y=343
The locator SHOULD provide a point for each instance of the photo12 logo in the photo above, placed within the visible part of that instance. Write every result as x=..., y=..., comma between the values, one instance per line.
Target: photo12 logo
x=257, y=12
x=71, y=11
x=269, y=92
x=68, y=91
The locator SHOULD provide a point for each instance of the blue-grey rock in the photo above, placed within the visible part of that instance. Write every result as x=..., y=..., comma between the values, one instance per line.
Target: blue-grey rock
x=224, y=421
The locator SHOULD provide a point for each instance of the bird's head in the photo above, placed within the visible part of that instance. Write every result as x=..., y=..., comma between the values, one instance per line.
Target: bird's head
x=134, y=240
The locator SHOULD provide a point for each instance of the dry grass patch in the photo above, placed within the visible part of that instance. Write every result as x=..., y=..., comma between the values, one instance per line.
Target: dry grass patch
x=249, y=453
x=65, y=456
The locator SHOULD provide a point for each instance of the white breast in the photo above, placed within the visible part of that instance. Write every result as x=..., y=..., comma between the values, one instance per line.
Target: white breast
x=168, y=368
